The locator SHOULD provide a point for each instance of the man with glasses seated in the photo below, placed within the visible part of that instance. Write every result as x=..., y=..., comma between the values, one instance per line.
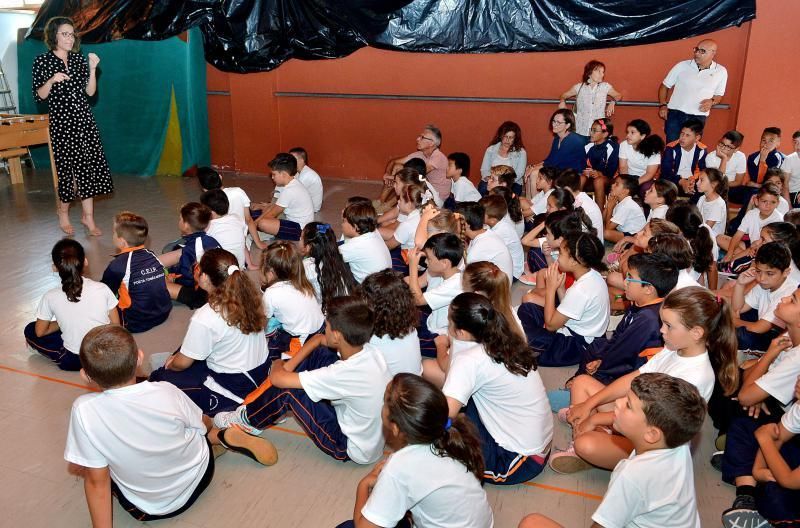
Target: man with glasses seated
x=696, y=85
x=428, y=143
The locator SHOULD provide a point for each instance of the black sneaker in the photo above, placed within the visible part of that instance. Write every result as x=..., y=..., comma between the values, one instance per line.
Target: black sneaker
x=716, y=461
x=743, y=514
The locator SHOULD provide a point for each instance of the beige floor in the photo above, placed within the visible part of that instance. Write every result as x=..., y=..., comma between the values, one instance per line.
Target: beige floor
x=305, y=488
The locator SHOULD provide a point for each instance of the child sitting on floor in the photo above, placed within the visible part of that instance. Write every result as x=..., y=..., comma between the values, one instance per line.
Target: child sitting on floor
x=496, y=217
x=659, y=198
x=461, y=189
x=712, y=205
x=364, y=249
x=623, y=215
x=227, y=229
x=484, y=244
x=294, y=202
x=325, y=269
x=238, y=201
x=767, y=198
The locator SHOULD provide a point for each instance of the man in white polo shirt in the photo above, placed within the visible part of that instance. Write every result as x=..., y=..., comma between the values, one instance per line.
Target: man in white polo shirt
x=696, y=86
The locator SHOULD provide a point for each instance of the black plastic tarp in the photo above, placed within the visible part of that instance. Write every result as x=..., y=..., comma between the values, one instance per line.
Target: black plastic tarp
x=258, y=35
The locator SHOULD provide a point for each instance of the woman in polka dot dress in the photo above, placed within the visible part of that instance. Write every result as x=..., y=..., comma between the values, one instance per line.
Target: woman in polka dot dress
x=66, y=79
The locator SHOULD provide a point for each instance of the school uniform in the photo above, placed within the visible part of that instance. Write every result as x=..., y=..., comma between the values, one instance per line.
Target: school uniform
x=755, y=173
x=230, y=231
x=299, y=315
x=638, y=163
x=651, y=490
x=298, y=210
x=678, y=164
x=658, y=212
x=402, y=354
x=508, y=234
x=310, y=267
x=75, y=319
x=228, y=364
x=586, y=304
x=539, y=202
x=737, y=164
x=138, y=277
x=463, y=190
x=313, y=184
x=438, y=296
x=193, y=250
x=715, y=211
x=366, y=254
x=592, y=210
x=488, y=246
x=152, y=439
x=635, y=337
x=696, y=370
x=628, y=216
x=437, y=490
x=791, y=166
x=603, y=157
x=764, y=302
x=511, y=413
x=238, y=201
x=405, y=235
x=339, y=406
x=752, y=223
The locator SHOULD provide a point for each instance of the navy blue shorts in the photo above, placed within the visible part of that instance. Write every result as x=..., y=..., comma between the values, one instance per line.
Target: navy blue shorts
x=289, y=230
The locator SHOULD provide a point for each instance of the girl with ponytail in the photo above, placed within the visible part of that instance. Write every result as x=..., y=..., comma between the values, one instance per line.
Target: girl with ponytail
x=324, y=266
x=435, y=471
x=66, y=314
x=493, y=374
x=699, y=347
x=224, y=353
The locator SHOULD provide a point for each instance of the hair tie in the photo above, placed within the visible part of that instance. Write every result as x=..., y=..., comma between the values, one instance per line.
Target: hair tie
x=232, y=268
x=448, y=424
x=323, y=228
x=421, y=178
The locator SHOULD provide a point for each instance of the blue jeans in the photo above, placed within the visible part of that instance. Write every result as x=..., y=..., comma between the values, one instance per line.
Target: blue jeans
x=675, y=121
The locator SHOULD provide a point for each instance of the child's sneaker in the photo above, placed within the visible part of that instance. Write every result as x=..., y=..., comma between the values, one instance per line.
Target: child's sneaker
x=567, y=462
x=259, y=449
x=237, y=418
x=563, y=415
x=743, y=514
x=529, y=279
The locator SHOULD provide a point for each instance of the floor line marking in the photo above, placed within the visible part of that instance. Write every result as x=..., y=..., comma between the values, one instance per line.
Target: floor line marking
x=290, y=431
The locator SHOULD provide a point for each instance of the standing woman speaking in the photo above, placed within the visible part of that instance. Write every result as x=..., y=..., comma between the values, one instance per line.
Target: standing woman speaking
x=66, y=79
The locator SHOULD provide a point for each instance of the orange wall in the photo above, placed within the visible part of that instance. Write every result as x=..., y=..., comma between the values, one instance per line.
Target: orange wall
x=354, y=138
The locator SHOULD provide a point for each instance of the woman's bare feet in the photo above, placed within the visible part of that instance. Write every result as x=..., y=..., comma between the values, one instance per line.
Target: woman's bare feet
x=64, y=224
x=88, y=222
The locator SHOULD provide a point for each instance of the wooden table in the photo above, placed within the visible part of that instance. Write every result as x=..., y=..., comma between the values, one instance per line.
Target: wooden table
x=17, y=132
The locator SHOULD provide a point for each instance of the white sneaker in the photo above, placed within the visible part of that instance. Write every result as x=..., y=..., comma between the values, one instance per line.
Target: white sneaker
x=237, y=418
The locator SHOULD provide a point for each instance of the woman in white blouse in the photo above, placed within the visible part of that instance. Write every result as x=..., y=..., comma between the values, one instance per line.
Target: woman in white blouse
x=591, y=95
x=505, y=149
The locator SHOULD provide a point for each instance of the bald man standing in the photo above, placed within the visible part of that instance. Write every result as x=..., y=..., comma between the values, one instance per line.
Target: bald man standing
x=696, y=85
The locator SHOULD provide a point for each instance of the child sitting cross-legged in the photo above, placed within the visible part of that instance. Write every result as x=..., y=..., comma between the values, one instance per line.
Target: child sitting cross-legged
x=749, y=231
x=364, y=249
x=147, y=444
x=653, y=486
x=325, y=269
x=623, y=215
x=336, y=401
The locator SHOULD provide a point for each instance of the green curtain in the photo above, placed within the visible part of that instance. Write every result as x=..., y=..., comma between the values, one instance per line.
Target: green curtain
x=132, y=104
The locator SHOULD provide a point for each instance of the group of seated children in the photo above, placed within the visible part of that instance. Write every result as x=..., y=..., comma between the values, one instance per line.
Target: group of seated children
x=403, y=334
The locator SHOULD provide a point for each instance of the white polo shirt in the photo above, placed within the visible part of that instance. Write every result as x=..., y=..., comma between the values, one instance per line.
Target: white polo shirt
x=507, y=232
x=401, y=354
x=791, y=419
x=76, y=319
x=355, y=388
x=149, y=435
x=717, y=211
x=791, y=166
x=366, y=254
x=765, y=301
x=779, y=379
x=686, y=278
x=296, y=203
x=691, y=85
x=737, y=164
x=298, y=313
x=437, y=490
x=223, y=347
x=651, y=490
x=752, y=223
x=238, y=201
x=230, y=231
x=539, y=201
x=658, y=212
x=490, y=247
x=438, y=295
x=628, y=216
x=406, y=231
x=592, y=210
x=463, y=190
x=637, y=162
x=313, y=184
x=514, y=408
x=696, y=370
x=586, y=305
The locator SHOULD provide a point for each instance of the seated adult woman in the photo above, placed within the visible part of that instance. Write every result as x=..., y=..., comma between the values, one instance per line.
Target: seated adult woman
x=567, y=150
x=506, y=148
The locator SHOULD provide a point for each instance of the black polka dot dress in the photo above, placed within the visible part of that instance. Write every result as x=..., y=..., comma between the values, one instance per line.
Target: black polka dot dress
x=80, y=161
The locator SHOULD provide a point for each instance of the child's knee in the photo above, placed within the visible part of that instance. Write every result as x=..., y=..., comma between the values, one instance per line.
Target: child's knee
x=588, y=446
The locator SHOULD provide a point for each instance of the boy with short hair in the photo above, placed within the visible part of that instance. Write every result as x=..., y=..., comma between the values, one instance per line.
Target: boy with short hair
x=654, y=486
x=308, y=177
x=294, y=202
x=363, y=249
x=145, y=443
x=758, y=162
x=461, y=189
x=136, y=276
x=496, y=217
x=728, y=159
x=771, y=273
x=570, y=179
x=791, y=166
x=227, y=229
x=685, y=157
x=337, y=402
x=484, y=243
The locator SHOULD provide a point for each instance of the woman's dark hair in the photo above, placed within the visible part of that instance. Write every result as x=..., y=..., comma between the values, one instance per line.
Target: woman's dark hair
x=652, y=143
x=505, y=128
x=586, y=249
x=512, y=202
x=362, y=217
x=689, y=220
x=390, y=298
x=68, y=258
x=590, y=67
x=563, y=198
x=419, y=410
x=475, y=314
x=51, y=31
x=333, y=274
x=235, y=297
x=568, y=115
